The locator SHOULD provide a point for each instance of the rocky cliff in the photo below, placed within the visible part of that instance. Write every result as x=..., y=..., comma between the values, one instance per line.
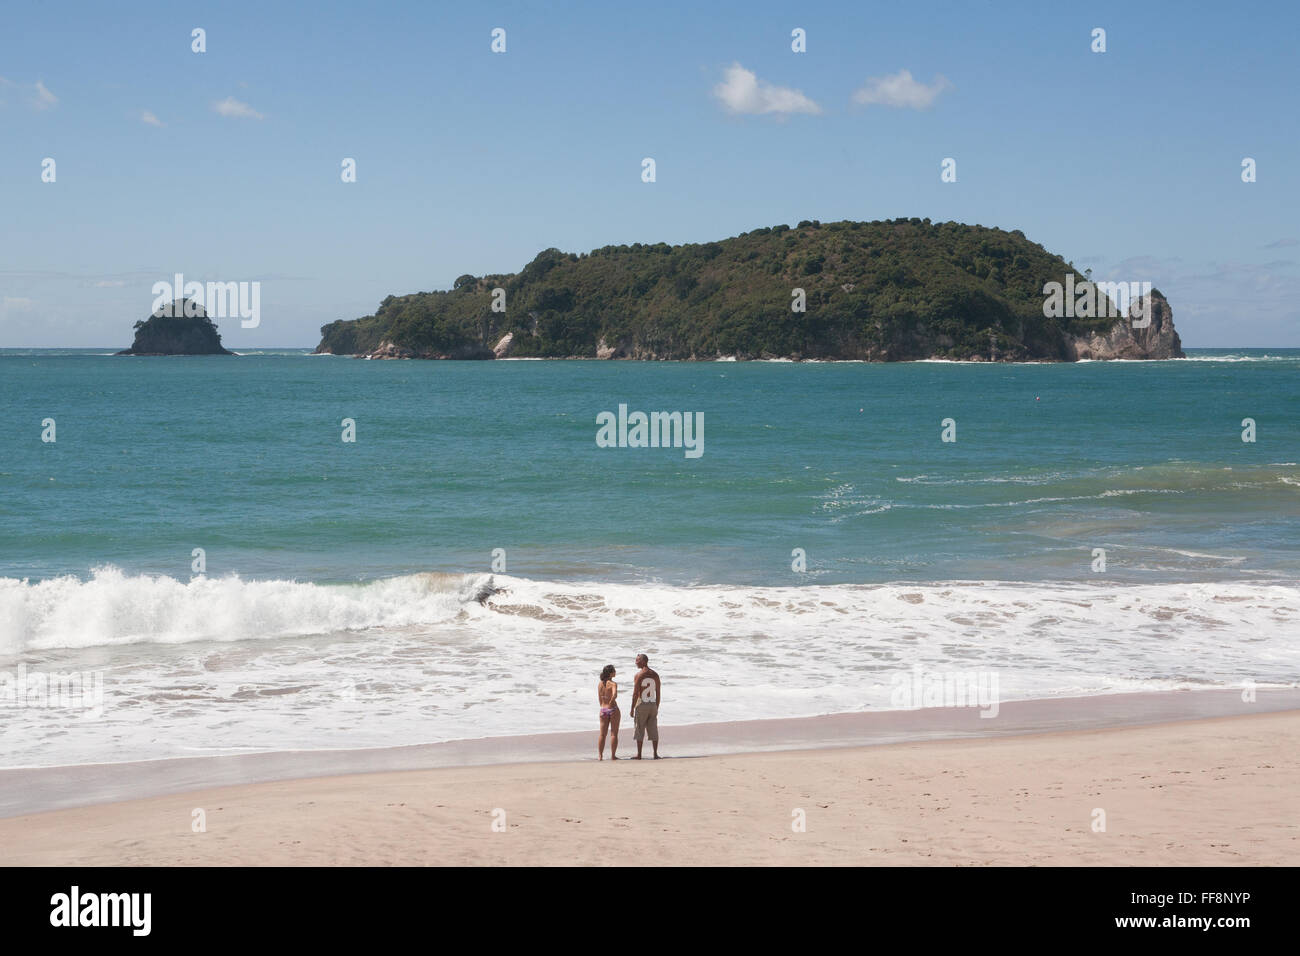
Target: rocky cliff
x=390, y=350
x=1134, y=337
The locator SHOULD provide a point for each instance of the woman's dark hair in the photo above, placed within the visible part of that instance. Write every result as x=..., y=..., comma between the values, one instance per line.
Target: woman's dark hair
x=606, y=671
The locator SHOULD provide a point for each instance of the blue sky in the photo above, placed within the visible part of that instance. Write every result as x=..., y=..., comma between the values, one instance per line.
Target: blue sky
x=225, y=165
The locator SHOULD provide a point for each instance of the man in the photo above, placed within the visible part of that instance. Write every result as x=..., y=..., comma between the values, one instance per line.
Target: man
x=646, y=695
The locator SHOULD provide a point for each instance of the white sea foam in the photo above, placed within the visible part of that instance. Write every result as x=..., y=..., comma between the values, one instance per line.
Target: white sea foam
x=1043, y=479
x=1240, y=358
x=221, y=664
x=1230, y=558
x=114, y=608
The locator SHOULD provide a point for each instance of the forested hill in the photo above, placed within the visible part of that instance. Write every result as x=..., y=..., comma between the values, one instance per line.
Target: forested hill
x=886, y=291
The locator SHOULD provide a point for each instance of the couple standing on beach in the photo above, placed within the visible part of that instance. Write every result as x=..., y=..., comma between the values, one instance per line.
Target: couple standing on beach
x=645, y=708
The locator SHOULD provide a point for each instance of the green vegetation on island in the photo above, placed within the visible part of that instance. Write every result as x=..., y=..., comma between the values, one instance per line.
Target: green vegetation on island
x=884, y=291
x=170, y=331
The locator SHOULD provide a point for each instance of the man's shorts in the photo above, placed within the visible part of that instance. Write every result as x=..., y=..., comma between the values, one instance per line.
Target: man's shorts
x=647, y=722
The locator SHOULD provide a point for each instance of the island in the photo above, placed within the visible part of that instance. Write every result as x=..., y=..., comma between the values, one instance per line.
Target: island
x=897, y=290
x=170, y=331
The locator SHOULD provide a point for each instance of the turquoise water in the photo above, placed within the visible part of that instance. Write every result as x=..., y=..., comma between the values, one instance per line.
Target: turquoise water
x=317, y=622
x=243, y=458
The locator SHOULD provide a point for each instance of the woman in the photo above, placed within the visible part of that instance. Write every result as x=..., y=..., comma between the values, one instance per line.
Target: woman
x=607, y=695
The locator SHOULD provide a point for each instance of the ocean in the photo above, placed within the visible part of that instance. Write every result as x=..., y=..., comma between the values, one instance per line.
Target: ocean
x=200, y=542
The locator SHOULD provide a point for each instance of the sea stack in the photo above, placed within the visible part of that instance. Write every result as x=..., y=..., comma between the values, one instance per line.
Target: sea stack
x=174, y=331
x=1147, y=332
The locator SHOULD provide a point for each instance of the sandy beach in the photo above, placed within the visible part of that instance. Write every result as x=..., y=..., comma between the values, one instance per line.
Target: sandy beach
x=1216, y=791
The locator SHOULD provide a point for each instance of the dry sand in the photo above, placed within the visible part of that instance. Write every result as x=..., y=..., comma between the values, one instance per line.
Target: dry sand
x=1221, y=791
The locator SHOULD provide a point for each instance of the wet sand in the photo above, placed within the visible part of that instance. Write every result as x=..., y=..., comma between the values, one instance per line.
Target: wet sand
x=47, y=788
x=1203, y=791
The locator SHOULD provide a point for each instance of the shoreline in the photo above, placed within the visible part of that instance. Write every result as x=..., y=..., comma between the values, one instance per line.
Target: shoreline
x=725, y=359
x=33, y=790
x=1215, y=791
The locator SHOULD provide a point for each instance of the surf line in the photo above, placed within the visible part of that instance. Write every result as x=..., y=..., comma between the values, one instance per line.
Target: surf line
x=654, y=430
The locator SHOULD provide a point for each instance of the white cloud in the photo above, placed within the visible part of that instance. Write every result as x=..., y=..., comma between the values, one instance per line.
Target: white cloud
x=43, y=99
x=1207, y=298
x=234, y=108
x=900, y=90
x=38, y=96
x=14, y=306
x=743, y=92
x=148, y=117
x=109, y=284
x=22, y=319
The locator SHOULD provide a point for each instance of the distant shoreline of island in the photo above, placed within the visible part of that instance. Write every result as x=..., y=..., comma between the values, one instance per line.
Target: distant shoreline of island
x=309, y=351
